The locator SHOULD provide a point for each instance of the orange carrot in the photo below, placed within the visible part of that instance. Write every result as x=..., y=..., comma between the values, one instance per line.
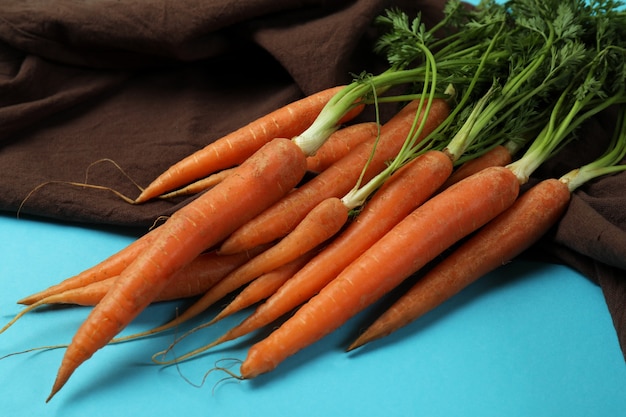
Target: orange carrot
x=404, y=191
x=257, y=290
x=188, y=282
x=496, y=244
x=319, y=225
x=340, y=143
x=201, y=185
x=204, y=272
x=335, y=181
x=236, y=147
x=499, y=155
x=260, y=181
x=263, y=287
x=192, y=280
x=198, y=276
x=110, y=267
x=419, y=238
x=505, y=237
x=336, y=146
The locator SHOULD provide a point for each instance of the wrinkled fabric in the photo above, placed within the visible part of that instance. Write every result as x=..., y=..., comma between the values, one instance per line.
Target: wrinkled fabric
x=112, y=93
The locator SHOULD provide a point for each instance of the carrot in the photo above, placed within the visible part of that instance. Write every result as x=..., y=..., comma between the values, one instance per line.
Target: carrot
x=319, y=225
x=340, y=143
x=388, y=206
x=198, y=276
x=236, y=147
x=497, y=243
x=499, y=155
x=415, y=241
x=201, y=185
x=259, y=289
x=335, y=181
x=193, y=280
x=263, y=286
x=335, y=147
x=261, y=180
x=110, y=267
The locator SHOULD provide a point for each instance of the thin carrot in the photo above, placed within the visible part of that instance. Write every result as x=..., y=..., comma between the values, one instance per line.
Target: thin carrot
x=335, y=147
x=497, y=243
x=340, y=143
x=335, y=181
x=198, y=276
x=110, y=267
x=499, y=155
x=263, y=287
x=200, y=185
x=388, y=206
x=236, y=147
x=261, y=180
x=258, y=290
x=192, y=280
x=316, y=227
x=420, y=237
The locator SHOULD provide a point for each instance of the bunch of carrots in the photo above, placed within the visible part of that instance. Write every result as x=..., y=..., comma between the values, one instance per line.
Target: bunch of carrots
x=439, y=185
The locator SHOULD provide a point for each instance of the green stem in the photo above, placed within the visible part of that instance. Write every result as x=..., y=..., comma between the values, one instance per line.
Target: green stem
x=359, y=194
x=607, y=163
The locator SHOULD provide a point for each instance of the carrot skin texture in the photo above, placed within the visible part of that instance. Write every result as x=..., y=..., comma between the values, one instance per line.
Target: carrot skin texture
x=420, y=237
x=202, y=273
x=335, y=181
x=264, y=178
x=263, y=286
x=406, y=189
x=340, y=143
x=234, y=148
x=192, y=280
x=200, y=185
x=110, y=267
x=497, y=156
x=313, y=231
x=337, y=145
x=496, y=244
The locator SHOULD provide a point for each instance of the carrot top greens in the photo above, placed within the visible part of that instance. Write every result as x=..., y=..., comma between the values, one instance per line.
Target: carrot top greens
x=596, y=83
x=608, y=163
x=517, y=72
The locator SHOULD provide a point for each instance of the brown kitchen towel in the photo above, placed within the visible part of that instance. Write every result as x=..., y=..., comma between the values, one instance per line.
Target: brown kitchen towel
x=111, y=93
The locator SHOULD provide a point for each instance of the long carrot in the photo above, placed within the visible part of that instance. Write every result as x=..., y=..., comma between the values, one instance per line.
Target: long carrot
x=494, y=245
x=200, y=185
x=258, y=290
x=318, y=226
x=236, y=147
x=499, y=155
x=336, y=146
x=263, y=287
x=110, y=267
x=335, y=181
x=498, y=242
x=261, y=180
x=192, y=280
x=415, y=241
x=389, y=205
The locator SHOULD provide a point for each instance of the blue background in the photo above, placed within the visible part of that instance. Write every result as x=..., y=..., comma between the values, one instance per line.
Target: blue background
x=530, y=339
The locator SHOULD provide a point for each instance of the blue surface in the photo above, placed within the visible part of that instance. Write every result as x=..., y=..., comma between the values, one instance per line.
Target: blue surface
x=528, y=340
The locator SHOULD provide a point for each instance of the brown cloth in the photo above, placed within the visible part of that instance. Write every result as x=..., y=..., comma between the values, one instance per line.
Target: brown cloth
x=141, y=84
